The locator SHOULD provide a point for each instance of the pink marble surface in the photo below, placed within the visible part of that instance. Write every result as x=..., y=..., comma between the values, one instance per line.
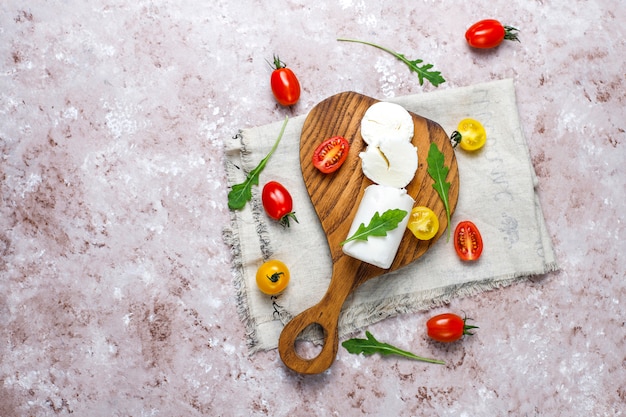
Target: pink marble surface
x=116, y=297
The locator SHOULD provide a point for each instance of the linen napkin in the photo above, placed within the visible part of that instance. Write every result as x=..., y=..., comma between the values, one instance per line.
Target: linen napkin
x=497, y=193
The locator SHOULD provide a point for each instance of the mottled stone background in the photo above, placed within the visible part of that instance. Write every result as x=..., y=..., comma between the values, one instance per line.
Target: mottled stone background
x=116, y=297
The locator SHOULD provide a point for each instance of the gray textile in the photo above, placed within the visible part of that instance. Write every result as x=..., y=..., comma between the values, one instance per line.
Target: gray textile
x=497, y=192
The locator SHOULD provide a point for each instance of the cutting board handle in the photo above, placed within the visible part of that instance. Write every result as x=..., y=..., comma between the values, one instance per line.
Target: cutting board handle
x=325, y=314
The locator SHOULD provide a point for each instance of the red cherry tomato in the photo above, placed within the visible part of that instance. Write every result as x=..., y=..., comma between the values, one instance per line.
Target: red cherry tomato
x=448, y=327
x=468, y=242
x=331, y=154
x=489, y=33
x=278, y=203
x=285, y=84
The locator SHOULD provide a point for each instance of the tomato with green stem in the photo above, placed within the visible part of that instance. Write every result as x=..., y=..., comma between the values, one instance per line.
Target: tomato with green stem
x=284, y=83
x=489, y=33
x=272, y=277
x=468, y=243
x=278, y=203
x=331, y=154
x=448, y=327
x=470, y=135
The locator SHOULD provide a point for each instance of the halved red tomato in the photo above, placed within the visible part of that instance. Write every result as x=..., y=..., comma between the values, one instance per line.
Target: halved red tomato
x=468, y=242
x=331, y=154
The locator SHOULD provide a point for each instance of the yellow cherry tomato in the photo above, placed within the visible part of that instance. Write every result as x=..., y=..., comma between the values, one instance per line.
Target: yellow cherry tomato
x=272, y=277
x=473, y=135
x=423, y=222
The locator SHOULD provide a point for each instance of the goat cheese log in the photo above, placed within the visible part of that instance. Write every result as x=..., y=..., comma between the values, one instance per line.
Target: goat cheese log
x=379, y=250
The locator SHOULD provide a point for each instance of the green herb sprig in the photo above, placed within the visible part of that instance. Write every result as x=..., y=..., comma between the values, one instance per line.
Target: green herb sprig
x=423, y=72
x=438, y=172
x=371, y=346
x=378, y=226
x=240, y=194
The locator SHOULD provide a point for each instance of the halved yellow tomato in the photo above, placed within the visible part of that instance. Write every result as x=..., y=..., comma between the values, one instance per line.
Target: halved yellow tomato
x=473, y=135
x=423, y=222
x=272, y=277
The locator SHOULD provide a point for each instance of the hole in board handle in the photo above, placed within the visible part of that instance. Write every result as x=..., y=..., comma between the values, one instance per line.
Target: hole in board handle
x=310, y=341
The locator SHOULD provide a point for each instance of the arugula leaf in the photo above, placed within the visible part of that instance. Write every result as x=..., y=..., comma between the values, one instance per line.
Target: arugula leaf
x=370, y=346
x=379, y=225
x=438, y=172
x=423, y=71
x=240, y=194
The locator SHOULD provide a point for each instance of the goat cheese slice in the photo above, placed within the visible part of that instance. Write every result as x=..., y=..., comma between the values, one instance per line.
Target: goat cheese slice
x=393, y=162
x=383, y=121
x=379, y=250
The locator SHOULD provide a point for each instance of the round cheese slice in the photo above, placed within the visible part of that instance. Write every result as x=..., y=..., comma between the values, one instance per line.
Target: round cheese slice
x=392, y=163
x=383, y=121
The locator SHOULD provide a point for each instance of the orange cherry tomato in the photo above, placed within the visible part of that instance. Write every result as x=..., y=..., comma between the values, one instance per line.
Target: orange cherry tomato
x=272, y=277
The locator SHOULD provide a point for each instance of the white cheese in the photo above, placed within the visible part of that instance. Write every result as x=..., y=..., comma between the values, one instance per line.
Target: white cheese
x=392, y=163
x=379, y=250
x=383, y=121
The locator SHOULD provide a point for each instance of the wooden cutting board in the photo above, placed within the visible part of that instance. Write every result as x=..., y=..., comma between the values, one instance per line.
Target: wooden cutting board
x=336, y=198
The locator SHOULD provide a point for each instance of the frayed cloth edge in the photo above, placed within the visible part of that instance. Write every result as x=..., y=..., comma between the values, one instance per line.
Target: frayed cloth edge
x=231, y=237
x=356, y=319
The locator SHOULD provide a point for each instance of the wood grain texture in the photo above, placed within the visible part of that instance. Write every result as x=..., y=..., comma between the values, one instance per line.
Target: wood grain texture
x=336, y=198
